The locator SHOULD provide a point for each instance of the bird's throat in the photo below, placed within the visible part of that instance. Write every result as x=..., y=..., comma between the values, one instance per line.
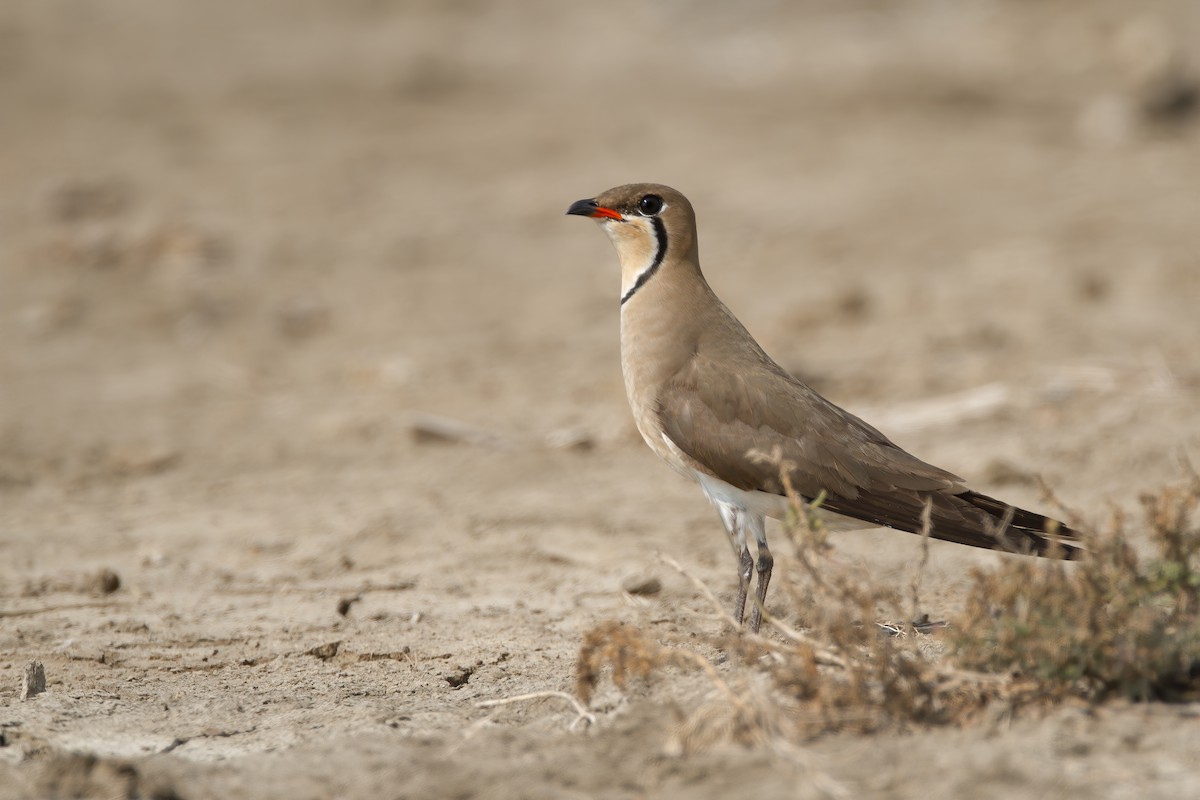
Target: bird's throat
x=642, y=245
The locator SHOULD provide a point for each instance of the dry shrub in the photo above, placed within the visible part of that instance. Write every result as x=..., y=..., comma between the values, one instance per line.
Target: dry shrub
x=844, y=672
x=848, y=670
x=1110, y=625
x=627, y=650
x=727, y=713
x=1113, y=625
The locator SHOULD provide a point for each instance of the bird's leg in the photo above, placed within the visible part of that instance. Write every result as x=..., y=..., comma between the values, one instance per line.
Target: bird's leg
x=765, y=563
x=745, y=567
x=734, y=520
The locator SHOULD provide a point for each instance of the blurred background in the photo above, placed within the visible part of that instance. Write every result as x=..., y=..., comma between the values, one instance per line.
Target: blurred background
x=245, y=230
x=245, y=226
x=244, y=236
x=288, y=303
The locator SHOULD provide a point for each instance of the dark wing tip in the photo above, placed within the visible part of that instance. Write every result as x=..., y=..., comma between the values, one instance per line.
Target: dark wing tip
x=1027, y=531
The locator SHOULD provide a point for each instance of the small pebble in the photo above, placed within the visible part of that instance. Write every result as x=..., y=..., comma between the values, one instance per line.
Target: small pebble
x=642, y=584
x=105, y=581
x=33, y=682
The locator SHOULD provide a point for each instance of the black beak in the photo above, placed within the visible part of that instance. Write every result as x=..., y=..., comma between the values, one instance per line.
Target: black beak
x=590, y=208
x=582, y=208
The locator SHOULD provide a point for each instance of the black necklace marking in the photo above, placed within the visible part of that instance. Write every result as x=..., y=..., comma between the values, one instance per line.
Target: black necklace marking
x=660, y=235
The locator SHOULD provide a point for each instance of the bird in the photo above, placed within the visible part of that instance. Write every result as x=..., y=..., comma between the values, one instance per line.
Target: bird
x=710, y=402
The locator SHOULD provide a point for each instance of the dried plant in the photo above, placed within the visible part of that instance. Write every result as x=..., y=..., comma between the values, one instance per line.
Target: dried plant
x=1112, y=625
x=1034, y=632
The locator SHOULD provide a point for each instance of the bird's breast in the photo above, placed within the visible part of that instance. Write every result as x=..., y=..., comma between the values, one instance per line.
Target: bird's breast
x=653, y=350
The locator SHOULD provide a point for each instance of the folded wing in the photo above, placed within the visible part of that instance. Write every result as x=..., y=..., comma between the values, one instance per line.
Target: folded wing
x=748, y=426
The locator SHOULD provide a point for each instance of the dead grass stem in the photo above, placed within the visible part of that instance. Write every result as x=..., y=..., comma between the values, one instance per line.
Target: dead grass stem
x=1034, y=633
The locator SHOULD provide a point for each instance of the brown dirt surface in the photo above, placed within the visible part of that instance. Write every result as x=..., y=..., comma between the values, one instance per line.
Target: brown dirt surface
x=249, y=251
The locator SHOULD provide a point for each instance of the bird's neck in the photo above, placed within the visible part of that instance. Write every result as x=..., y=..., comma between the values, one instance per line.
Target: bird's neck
x=661, y=328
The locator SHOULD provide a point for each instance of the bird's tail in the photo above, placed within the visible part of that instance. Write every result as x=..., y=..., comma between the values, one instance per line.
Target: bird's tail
x=1024, y=531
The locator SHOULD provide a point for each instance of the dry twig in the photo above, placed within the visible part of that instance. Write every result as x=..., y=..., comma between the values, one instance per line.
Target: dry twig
x=582, y=714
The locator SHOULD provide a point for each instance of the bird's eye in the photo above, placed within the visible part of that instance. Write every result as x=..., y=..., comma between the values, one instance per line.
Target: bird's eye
x=650, y=205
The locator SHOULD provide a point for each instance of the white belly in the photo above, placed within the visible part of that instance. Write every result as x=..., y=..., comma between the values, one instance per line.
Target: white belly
x=760, y=503
x=764, y=503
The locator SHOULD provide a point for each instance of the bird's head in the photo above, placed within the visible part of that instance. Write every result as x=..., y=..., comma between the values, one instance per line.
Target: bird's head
x=648, y=223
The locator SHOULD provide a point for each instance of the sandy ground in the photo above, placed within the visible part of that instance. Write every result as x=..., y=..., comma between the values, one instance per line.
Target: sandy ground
x=244, y=246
